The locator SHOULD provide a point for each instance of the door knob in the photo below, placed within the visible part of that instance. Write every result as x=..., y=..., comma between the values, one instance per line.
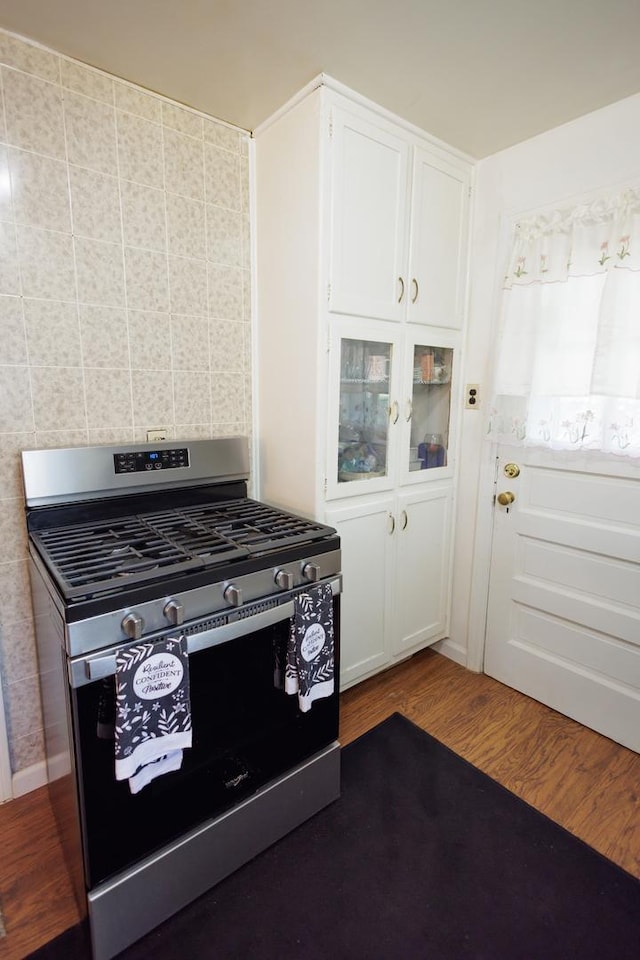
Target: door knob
x=505, y=498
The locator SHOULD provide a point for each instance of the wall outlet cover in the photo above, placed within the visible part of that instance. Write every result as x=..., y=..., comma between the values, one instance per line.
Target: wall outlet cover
x=472, y=396
x=155, y=436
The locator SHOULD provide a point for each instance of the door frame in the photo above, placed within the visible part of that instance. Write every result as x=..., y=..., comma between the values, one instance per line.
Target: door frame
x=481, y=570
x=6, y=789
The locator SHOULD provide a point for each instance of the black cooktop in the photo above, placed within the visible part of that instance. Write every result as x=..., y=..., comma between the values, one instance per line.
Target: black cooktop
x=95, y=556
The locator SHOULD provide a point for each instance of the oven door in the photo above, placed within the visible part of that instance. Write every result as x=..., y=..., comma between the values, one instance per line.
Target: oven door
x=246, y=732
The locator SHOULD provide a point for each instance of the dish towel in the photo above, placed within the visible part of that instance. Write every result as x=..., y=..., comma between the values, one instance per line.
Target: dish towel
x=309, y=669
x=153, y=710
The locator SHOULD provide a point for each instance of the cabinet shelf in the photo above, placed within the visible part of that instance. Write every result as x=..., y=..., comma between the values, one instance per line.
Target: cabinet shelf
x=347, y=476
x=431, y=383
x=352, y=381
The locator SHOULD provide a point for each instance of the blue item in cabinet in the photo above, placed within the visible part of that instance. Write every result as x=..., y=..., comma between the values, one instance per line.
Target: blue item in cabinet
x=431, y=454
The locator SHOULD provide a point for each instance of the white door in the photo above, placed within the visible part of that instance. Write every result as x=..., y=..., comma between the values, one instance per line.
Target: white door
x=563, y=620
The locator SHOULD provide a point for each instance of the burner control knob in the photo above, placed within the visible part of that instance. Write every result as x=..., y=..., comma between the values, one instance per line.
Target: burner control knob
x=233, y=595
x=311, y=571
x=174, y=612
x=284, y=579
x=133, y=625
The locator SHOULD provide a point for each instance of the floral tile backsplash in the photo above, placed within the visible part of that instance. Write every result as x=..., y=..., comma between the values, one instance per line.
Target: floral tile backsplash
x=125, y=295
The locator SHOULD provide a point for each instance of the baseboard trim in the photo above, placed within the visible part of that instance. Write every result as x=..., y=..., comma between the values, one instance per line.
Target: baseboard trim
x=24, y=781
x=454, y=651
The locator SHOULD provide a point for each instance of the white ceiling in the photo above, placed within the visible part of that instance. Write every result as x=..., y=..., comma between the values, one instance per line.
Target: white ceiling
x=479, y=74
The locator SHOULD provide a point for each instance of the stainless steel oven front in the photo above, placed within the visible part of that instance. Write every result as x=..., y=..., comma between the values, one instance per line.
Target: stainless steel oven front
x=257, y=767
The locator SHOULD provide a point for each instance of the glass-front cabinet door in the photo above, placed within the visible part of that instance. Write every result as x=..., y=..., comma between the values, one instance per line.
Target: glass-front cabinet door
x=364, y=410
x=389, y=411
x=428, y=411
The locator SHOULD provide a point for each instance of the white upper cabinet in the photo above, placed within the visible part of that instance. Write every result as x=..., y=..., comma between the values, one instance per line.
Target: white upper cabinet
x=398, y=225
x=369, y=172
x=437, y=260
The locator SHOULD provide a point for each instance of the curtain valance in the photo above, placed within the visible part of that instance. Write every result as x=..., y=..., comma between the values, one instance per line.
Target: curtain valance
x=588, y=239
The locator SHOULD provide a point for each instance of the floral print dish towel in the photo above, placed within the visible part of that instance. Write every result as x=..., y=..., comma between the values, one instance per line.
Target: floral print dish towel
x=153, y=711
x=309, y=670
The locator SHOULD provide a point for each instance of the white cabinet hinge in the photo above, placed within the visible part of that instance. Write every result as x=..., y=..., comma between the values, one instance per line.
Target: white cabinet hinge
x=330, y=125
x=328, y=293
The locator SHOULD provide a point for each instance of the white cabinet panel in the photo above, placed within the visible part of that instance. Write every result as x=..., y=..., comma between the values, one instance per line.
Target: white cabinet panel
x=438, y=243
x=420, y=608
x=365, y=534
x=368, y=218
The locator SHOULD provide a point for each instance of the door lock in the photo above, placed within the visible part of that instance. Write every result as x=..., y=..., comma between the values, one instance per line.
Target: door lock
x=511, y=470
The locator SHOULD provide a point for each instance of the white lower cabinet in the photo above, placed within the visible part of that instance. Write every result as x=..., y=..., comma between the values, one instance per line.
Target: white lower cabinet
x=419, y=611
x=367, y=570
x=395, y=563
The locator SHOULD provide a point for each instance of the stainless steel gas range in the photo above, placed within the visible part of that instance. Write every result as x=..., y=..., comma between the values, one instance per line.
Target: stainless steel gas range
x=153, y=558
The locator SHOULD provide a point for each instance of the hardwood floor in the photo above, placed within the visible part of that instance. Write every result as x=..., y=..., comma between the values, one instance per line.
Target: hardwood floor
x=580, y=779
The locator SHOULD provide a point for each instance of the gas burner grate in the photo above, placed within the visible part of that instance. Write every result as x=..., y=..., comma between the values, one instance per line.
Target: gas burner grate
x=91, y=558
x=247, y=523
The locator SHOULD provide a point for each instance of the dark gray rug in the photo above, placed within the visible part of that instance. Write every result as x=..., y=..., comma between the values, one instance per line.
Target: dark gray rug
x=422, y=858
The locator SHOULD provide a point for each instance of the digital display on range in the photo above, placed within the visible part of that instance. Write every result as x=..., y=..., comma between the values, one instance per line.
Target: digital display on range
x=142, y=461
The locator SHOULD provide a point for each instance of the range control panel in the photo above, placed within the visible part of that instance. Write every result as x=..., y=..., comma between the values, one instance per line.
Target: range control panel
x=140, y=461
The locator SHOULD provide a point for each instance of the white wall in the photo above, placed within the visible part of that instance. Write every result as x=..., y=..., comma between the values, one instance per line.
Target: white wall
x=597, y=153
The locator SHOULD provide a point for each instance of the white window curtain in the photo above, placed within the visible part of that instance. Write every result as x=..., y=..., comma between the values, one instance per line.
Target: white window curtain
x=568, y=365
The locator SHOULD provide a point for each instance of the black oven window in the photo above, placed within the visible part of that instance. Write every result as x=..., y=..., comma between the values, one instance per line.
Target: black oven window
x=246, y=732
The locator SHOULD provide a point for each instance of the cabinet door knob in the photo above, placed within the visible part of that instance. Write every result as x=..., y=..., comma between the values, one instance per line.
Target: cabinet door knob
x=401, y=282
x=392, y=524
x=405, y=520
x=394, y=412
x=416, y=290
x=409, y=411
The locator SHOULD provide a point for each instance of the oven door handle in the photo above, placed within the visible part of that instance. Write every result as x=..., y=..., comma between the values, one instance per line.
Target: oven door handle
x=90, y=668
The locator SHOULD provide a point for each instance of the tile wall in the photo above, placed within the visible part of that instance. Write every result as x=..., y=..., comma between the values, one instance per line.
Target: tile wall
x=124, y=294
